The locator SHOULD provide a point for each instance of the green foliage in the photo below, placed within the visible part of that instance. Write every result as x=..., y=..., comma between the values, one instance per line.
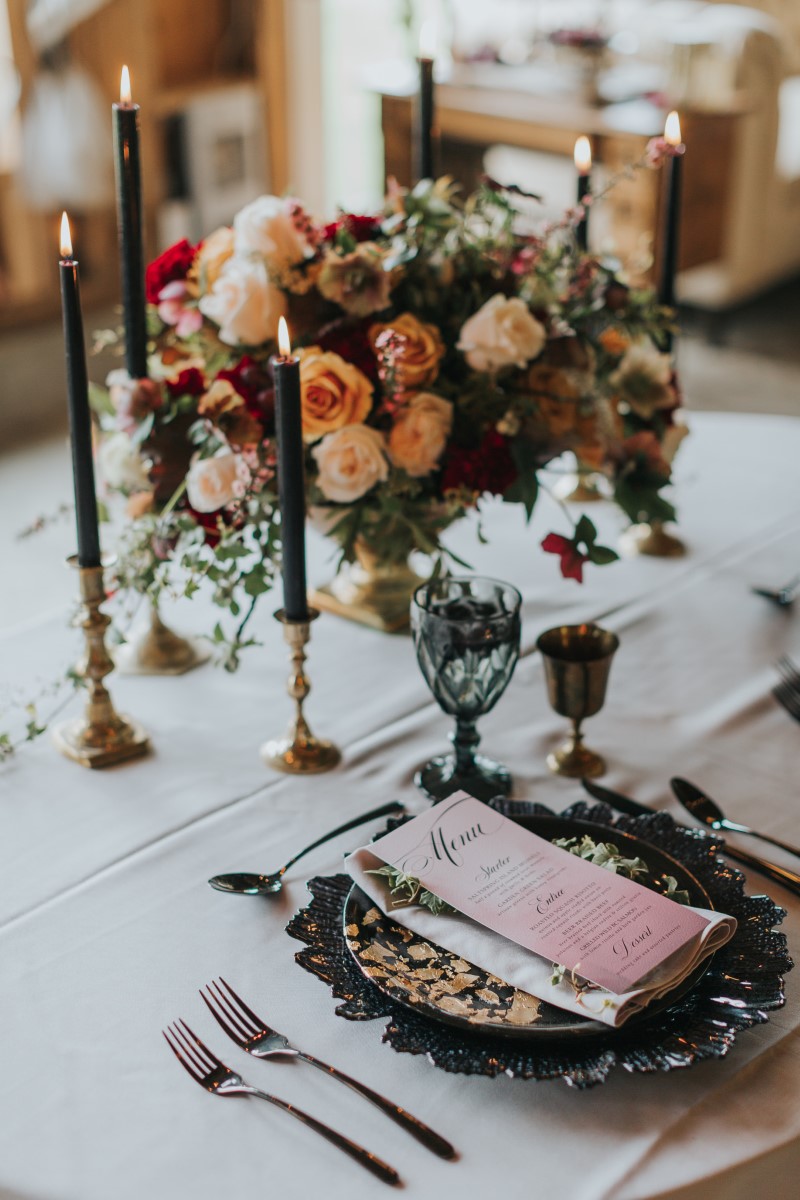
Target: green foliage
x=405, y=890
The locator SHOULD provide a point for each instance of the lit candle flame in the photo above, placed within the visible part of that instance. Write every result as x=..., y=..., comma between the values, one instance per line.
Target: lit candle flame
x=583, y=156
x=125, y=86
x=427, y=40
x=284, y=345
x=672, y=129
x=66, y=237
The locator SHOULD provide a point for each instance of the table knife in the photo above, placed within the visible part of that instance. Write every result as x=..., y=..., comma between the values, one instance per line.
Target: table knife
x=632, y=808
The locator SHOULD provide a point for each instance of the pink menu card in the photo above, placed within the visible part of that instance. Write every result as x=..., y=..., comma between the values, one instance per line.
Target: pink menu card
x=604, y=927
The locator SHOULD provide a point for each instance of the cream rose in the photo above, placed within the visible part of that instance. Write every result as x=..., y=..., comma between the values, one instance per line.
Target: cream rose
x=502, y=333
x=350, y=462
x=333, y=393
x=244, y=303
x=121, y=466
x=211, y=482
x=277, y=229
x=420, y=434
x=215, y=251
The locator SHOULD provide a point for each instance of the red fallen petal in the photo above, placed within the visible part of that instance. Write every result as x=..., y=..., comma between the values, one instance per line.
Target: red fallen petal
x=556, y=543
x=572, y=565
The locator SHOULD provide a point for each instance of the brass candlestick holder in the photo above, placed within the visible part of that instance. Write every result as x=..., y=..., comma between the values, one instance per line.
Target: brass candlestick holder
x=157, y=650
x=101, y=737
x=299, y=752
x=577, y=660
x=651, y=539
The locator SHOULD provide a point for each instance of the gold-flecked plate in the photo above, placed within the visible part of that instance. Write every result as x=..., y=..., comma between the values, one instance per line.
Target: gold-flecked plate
x=439, y=984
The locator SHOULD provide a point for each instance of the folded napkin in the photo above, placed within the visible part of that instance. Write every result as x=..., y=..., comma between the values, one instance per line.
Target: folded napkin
x=527, y=971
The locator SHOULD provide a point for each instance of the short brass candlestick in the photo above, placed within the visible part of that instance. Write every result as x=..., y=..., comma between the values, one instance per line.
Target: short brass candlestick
x=157, y=650
x=651, y=539
x=299, y=752
x=101, y=737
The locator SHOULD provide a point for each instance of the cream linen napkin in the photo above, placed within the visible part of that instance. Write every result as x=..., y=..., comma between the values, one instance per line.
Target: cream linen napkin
x=526, y=970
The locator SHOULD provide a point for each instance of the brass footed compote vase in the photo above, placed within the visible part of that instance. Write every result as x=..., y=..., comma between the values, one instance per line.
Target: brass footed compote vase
x=577, y=661
x=466, y=633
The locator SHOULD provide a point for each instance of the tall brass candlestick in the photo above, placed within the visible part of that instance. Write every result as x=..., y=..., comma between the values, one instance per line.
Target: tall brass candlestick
x=299, y=752
x=129, y=226
x=101, y=737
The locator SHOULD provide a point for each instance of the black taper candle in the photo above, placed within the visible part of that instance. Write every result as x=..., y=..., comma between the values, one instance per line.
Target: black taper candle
x=425, y=119
x=80, y=421
x=291, y=479
x=670, y=246
x=129, y=229
x=583, y=165
x=582, y=231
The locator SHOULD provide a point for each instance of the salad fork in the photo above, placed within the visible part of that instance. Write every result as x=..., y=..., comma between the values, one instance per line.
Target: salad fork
x=253, y=1034
x=212, y=1074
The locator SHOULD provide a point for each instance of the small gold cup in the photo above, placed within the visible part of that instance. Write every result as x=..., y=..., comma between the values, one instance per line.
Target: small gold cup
x=577, y=660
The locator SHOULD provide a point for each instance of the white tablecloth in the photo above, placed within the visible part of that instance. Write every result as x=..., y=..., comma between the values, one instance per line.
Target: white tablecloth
x=107, y=926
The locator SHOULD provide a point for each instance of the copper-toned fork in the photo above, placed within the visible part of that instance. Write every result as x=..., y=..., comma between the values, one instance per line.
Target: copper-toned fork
x=212, y=1074
x=256, y=1037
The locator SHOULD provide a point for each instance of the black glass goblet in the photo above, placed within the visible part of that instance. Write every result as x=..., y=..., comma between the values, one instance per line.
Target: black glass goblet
x=466, y=632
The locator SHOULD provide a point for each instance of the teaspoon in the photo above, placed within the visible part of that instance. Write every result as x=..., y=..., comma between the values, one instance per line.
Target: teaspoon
x=703, y=808
x=784, y=596
x=248, y=883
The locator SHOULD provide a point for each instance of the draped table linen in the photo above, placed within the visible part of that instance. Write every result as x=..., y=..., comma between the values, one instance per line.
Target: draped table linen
x=108, y=927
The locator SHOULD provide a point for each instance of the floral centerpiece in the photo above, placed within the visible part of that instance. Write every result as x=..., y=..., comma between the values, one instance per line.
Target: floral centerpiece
x=446, y=355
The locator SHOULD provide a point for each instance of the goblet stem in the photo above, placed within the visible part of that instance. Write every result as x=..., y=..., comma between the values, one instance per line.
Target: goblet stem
x=465, y=741
x=577, y=735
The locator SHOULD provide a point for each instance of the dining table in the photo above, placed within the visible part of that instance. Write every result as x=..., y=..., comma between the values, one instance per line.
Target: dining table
x=108, y=928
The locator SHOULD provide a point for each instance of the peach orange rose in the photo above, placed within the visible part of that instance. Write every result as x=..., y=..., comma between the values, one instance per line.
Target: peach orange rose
x=420, y=434
x=419, y=352
x=333, y=393
x=214, y=252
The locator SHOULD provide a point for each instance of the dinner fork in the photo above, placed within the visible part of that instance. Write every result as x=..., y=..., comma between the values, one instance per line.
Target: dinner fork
x=787, y=692
x=256, y=1037
x=212, y=1074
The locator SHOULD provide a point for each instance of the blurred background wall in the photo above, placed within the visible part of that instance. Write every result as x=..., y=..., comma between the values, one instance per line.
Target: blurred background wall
x=314, y=96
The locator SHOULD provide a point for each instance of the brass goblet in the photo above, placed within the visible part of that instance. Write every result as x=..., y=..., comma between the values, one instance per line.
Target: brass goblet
x=577, y=660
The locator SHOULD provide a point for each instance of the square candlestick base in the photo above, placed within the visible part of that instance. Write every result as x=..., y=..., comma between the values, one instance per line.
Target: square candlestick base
x=124, y=741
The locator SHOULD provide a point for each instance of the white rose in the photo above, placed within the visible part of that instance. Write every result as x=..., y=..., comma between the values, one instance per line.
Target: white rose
x=120, y=464
x=420, y=434
x=211, y=482
x=244, y=303
x=275, y=228
x=502, y=333
x=350, y=462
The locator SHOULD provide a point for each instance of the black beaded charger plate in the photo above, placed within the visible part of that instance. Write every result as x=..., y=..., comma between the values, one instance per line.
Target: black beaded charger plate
x=501, y=1031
